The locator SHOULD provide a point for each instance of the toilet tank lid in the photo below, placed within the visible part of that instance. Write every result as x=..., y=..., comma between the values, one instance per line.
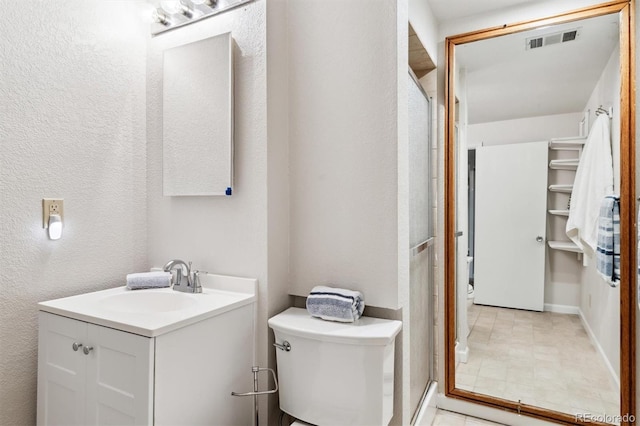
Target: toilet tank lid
x=365, y=331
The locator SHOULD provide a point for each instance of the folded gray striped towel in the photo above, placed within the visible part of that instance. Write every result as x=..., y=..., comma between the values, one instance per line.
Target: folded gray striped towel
x=141, y=280
x=335, y=304
x=608, y=249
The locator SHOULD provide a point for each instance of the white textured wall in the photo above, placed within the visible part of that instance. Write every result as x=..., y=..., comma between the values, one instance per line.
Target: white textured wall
x=599, y=302
x=344, y=147
x=528, y=129
x=244, y=234
x=277, y=175
x=72, y=126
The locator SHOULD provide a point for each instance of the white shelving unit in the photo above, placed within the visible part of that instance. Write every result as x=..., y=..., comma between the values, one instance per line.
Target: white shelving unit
x=565, y=246
x=561, y=188
x=570, y=164
x=573, y=143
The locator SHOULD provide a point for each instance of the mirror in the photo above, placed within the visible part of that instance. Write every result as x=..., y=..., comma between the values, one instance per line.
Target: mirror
x=198, y=118
x=531, y=326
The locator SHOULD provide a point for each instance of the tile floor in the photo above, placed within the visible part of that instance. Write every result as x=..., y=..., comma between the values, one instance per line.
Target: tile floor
x=542, y=358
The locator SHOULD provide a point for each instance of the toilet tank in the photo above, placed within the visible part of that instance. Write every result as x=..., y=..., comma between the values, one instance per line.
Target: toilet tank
x=335, y=373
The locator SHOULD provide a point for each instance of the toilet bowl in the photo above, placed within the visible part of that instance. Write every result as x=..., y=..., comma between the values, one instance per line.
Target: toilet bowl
x=335, y=373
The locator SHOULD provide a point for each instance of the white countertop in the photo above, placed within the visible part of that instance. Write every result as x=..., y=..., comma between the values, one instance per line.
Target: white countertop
x=152, y=312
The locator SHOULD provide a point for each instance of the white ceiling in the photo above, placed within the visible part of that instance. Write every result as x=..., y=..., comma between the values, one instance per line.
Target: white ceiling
x=506, y=81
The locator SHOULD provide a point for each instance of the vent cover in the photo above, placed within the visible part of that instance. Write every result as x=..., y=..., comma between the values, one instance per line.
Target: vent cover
x=554, y=38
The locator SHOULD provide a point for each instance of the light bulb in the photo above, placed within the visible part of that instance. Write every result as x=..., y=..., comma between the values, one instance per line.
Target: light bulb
x=159, y=17
x=171, y=6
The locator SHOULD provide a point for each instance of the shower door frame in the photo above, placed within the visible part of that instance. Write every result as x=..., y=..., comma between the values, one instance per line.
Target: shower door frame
x=427, y=245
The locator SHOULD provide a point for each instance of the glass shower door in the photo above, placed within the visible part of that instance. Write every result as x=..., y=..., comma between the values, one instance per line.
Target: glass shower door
x=421, y=263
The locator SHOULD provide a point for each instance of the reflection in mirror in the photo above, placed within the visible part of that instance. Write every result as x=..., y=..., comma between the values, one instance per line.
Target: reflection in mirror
x=198, y=118
x=542, y=326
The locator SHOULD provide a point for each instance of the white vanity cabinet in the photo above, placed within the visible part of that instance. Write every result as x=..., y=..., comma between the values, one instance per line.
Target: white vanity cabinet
x=111, y=384
x=173, y=360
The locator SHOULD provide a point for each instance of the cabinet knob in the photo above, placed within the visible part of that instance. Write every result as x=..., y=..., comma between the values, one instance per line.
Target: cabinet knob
x=539, y=239
x=87, y=349
x=76, y=346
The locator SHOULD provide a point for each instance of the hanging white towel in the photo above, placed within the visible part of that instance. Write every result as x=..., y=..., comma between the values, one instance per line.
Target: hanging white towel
x=593, y=181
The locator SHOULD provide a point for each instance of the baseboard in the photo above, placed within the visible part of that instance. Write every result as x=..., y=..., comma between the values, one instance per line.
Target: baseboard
x=428, y=407
x=601, y=352
x=562, y=309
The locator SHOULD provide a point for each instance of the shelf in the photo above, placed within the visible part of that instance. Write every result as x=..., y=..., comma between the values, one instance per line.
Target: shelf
x=559, y=212
x=561, y=188
x=571, y=164
x=573, y=143
x=565, y=246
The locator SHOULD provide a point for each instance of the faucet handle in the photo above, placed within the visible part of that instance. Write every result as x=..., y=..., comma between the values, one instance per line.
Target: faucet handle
x=197, y=288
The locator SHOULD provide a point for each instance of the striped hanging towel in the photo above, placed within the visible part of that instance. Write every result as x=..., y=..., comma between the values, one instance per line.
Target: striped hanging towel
x=608, y=250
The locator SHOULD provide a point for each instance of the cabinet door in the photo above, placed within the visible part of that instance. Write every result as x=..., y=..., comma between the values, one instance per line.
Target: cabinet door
x=61, y=371
x=119, y=378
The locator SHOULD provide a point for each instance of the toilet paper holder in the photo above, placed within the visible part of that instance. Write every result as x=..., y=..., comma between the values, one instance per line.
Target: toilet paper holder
x=255, y=370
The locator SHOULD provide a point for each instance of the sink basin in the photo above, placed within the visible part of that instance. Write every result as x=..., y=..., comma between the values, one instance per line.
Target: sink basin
x=142, y=302
x=152, y=312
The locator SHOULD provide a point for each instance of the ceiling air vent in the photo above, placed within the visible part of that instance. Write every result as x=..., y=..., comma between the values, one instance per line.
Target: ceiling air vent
x=534, y=42
x=553, y=38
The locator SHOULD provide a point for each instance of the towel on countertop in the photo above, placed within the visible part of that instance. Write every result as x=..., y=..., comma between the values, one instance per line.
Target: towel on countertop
x=593, y=181
x=608, y=251
x=335, y=304
x=142, y=280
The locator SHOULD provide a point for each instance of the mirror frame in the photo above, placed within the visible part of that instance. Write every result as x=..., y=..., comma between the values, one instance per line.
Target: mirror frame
x=627, y=209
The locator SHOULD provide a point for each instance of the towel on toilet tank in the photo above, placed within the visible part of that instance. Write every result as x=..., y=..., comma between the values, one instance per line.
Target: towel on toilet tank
x=335, y=304
x=142, y=280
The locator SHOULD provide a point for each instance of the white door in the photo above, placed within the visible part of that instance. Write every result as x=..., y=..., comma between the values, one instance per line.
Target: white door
x=119, y=378
x=511, y=203
x=61, y=371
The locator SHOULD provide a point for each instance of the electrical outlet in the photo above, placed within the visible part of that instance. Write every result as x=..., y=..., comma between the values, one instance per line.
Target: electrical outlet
x=51, y=206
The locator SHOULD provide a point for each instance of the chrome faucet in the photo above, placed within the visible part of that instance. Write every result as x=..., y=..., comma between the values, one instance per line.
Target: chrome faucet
x=193, y=279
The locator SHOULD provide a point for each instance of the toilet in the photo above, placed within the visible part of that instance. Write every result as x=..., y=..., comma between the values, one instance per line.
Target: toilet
x=333, y=373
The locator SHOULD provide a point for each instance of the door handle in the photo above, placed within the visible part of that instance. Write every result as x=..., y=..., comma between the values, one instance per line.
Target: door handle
x=539, y=239
x=458, y=234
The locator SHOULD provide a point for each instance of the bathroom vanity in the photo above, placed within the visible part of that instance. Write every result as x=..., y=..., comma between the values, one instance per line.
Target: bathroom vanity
x=148, y=357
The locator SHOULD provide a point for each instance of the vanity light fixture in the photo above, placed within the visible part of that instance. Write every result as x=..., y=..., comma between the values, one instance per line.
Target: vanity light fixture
x=210, y=3
x=173, y=14
x=174, y=7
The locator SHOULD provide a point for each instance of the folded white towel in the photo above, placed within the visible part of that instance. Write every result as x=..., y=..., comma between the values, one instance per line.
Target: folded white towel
x=142, y=280
x=335, y=304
